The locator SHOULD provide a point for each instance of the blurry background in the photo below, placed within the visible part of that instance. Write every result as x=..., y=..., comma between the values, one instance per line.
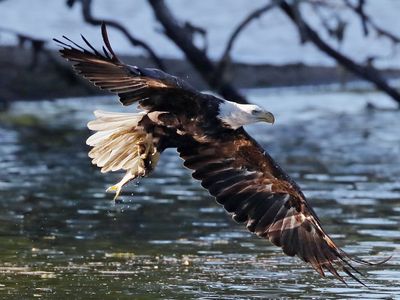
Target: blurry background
x=228, y=45
x=330, y=72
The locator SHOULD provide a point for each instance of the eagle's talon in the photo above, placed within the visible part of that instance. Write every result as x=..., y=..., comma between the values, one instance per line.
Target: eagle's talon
x=115, y=188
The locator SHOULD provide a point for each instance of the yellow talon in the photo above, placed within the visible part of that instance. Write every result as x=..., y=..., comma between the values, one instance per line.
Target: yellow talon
x=116, y=189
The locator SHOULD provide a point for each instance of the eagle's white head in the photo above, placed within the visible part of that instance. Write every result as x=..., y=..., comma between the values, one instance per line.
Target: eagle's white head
x=236, y=115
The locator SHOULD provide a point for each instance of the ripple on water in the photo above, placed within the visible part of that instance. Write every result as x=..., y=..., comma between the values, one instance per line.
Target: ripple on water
x=60, y=229
x=372, y=221
x=381, y=232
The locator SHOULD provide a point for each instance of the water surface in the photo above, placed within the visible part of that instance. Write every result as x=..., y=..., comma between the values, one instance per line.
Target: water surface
x=62, y=237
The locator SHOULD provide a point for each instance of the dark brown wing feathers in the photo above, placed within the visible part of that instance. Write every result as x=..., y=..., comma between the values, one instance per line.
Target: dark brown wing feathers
x=104, y=33
x=255, y=191
x=232, y=166
x=132, y=84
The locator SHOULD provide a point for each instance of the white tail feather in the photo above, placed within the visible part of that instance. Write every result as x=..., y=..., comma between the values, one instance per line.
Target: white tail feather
x=106, y=120
x=120, y=143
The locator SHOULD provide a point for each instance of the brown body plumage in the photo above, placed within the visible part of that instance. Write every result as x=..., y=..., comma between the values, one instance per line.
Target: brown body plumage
x=230, y=164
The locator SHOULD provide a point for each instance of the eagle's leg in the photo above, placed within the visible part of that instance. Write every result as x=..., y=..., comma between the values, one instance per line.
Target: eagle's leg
x=120, y=143
x=146, y=161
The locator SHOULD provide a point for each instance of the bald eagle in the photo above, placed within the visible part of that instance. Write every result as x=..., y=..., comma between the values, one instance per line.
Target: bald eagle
x=208, y=134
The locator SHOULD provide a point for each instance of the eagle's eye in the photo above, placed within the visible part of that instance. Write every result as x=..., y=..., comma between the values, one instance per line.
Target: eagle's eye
x=256, y=111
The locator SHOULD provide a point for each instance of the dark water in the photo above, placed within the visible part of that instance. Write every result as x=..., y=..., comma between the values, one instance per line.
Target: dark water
x=62, y=237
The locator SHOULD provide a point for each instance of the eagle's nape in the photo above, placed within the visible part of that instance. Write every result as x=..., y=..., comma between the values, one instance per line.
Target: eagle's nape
x=229, y=163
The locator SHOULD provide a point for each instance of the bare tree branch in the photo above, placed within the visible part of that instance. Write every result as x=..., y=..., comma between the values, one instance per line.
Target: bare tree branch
x=366, y=21
x=88, y=17
x=360, y=10
x=242, y=25
x=368, y=73
x=198, y=58
x=225, y=58
x=338, y=31
x=193, y=30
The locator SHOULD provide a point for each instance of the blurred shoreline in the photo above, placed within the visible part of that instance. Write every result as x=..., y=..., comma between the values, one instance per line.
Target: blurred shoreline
x=48, y=76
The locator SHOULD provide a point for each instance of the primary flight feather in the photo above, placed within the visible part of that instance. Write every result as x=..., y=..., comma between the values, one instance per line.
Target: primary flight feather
x=208, y=134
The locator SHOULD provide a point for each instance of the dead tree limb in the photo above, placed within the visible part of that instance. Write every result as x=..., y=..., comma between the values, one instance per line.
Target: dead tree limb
x=226, y=57
x=207, y=69
x=368, y=73
x=366, y=21
x=88, y=17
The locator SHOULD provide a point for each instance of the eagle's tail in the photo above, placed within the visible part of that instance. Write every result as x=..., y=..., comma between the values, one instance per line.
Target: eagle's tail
x=120, y=144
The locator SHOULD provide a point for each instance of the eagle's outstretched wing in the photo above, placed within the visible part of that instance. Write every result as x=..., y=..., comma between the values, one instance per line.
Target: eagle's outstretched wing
x=229, y=163
x=131, y=83
x=253, y=188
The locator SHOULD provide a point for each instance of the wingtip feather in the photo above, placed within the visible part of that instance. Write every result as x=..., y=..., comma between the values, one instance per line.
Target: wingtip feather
x=107, y=42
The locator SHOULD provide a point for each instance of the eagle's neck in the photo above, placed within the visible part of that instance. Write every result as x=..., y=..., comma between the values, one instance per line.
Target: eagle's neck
x=235, y=115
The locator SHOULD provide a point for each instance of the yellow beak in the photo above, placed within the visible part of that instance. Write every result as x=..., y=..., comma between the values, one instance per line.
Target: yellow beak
x=266, y=116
